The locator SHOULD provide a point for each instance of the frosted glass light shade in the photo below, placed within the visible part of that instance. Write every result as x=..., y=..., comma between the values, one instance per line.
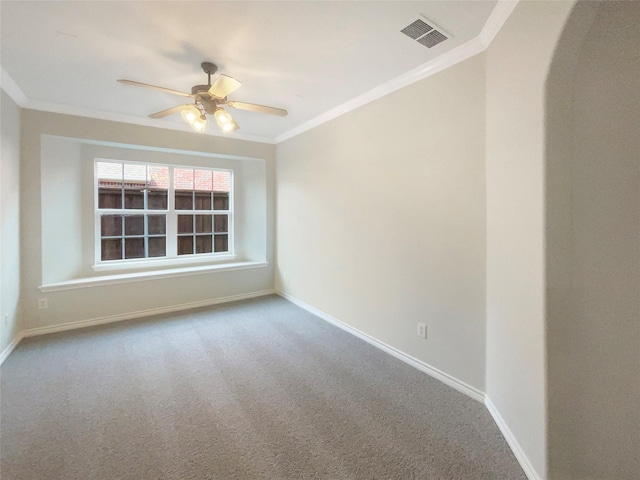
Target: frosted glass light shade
x=195, y=119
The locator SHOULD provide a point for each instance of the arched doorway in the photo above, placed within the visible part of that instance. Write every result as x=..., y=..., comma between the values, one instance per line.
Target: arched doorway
x=593, y=244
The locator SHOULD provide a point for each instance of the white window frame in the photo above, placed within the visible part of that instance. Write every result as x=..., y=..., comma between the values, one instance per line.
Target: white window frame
x=172, y=258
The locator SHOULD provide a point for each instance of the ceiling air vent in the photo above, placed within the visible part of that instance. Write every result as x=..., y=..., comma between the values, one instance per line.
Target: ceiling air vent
x=432, y=39
x=416, y=29
x=425, y=33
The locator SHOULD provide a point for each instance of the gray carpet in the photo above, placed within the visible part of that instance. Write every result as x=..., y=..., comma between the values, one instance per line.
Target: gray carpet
x=258, y=389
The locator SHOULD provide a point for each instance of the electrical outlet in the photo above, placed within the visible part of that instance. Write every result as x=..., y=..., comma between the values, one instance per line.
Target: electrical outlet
x=43, y=303
x=422, y=330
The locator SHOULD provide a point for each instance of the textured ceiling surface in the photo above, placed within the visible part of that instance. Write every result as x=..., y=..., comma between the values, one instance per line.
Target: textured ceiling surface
x=308, y=57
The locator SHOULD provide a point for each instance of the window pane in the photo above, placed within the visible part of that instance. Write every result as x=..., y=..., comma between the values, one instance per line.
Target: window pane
x=134, y=225
x=221, y=243
x=203, y=223
x=203, y=200
x=135, y=176
x=111, y=226
x=221, y=223
x=203, y=244
x=156, y=224
x=158, y=177
x=157, y=200
x=134, y=248
x=221, y=201
x=183, y=178
x=185, y=245
x=111, y=249
x=203, y=180
x=221, y=181
x=184, y=200
x=185, y=223
x=133, y=198
x=146, y=187
x=109, y=174
x=157, y=246
x=110, y=198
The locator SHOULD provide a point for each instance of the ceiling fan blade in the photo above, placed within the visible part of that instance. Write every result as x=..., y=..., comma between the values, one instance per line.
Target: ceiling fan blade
x=258, y=108
x=223, y=86
x=170, y=111
x=155, y=87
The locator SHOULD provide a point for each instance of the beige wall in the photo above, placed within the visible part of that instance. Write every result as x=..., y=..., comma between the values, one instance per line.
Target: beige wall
x=41, y=157
x=9, y=221
x=594, y=308
x=517, y=64
x=381, y=216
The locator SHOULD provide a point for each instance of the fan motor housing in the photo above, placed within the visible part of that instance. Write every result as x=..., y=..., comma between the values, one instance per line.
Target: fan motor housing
x=200, y=89
x=208, y=104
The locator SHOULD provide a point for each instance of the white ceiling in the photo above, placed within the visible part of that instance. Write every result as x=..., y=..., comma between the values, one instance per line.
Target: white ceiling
x=309, y=57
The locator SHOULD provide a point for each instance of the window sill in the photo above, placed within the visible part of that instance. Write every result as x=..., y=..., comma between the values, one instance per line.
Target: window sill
x=150, y=275
x=151, y=263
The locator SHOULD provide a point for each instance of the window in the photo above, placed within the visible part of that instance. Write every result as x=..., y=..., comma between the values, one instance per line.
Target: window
x=151, y=211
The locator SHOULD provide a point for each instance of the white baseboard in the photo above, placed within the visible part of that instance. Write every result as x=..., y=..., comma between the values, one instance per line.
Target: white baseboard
x=7, y=351
x=140, y=313
x=453, y=382
x=414, y=362
x=517, y=450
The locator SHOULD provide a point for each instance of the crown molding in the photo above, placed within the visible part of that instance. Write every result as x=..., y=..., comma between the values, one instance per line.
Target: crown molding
x=494, y=23
x=144, y=121
x=11, y=88
x=496, y=20
x=17, y=95
x=444, y=61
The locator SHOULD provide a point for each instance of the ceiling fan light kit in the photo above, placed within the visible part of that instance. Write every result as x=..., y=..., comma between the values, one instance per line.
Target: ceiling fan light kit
x=226, y=123
x=195, y=118
x=222, y=117
x=232, y=126
x=207, y=100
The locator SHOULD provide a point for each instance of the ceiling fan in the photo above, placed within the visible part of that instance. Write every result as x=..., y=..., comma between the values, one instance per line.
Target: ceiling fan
x=207, y=99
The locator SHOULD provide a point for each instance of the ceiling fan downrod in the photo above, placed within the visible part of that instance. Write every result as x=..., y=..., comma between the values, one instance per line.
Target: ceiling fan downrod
x=209, y=68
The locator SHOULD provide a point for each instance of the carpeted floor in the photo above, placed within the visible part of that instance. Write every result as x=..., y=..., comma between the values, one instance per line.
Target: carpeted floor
x=258, y=389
